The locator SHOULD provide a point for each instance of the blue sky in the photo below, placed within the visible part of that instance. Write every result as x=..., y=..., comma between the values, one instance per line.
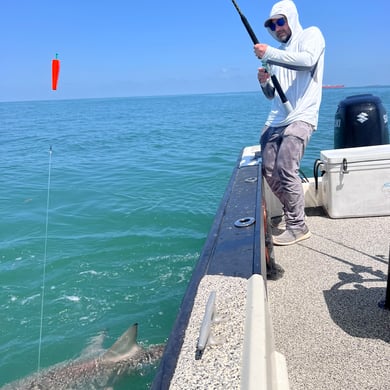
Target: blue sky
x=115, y=48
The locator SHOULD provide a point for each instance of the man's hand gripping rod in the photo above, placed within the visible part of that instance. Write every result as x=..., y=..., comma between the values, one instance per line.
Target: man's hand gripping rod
x=255, y=41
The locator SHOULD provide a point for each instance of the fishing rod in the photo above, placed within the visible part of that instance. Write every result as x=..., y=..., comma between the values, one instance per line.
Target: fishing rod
x=255, y=41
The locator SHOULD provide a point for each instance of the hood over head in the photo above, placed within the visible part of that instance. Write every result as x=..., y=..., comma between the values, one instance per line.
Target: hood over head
x=287, y=9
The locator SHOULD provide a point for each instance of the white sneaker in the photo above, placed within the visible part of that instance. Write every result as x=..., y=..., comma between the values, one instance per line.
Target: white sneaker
x=291, y=236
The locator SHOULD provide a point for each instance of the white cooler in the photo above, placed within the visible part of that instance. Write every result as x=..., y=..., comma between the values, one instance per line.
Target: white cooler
x=356, y=182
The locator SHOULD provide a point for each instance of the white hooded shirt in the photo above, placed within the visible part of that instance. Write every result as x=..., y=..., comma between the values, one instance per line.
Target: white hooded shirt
x=298, y=65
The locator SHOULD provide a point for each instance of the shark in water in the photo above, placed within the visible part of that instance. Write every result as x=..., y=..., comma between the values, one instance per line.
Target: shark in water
x=102, y=372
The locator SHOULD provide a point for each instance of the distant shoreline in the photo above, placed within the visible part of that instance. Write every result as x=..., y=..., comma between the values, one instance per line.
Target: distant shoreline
x=57, y=99
x=333, y=86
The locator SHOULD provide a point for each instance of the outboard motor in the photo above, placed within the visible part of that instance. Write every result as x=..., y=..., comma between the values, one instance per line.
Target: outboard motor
x=360, y=120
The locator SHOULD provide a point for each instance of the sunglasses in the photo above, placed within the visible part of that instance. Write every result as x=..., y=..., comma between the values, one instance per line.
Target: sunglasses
x=279, y=22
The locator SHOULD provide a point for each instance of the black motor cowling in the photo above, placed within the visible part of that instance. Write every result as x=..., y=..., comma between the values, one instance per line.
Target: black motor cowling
x=360, y=120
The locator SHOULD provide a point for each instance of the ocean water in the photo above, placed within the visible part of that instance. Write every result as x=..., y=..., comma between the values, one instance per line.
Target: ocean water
x=105, y=205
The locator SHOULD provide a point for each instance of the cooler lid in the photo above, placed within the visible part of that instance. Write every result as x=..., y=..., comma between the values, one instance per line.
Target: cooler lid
x=363, y=153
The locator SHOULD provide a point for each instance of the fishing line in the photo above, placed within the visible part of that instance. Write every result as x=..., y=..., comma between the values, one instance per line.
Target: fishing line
x=44, y=259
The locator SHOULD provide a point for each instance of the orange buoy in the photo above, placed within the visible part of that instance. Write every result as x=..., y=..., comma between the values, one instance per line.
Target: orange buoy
x=55, y=71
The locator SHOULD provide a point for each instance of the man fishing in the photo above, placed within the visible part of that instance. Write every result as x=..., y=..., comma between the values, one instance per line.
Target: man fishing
x=298, y=64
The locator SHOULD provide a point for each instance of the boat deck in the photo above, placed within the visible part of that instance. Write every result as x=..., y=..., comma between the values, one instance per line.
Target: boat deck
x=325, y=311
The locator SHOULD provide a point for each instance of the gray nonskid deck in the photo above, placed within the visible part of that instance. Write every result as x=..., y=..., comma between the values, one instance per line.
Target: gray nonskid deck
x=325, y=310
x=220, y=365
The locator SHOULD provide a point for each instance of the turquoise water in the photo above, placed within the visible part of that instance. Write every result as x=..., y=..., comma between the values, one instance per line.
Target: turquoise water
x=132, y=186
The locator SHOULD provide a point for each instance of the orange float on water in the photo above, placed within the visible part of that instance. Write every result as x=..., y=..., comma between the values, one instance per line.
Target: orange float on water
x=55, y=71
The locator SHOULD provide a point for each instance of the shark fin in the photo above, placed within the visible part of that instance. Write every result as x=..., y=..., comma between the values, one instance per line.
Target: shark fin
x=126, y=345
